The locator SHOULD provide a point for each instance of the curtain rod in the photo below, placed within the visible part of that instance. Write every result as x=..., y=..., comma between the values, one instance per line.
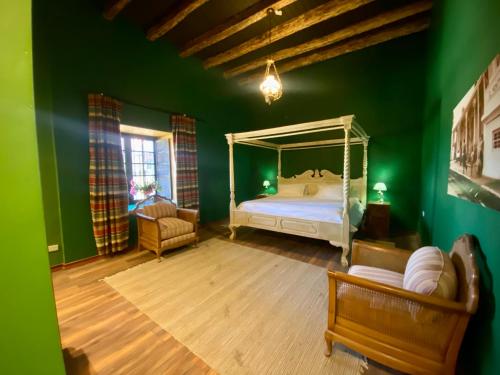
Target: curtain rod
x=155, y=108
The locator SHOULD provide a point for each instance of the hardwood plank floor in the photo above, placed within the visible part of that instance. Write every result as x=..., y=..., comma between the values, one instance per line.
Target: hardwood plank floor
x=103, y=333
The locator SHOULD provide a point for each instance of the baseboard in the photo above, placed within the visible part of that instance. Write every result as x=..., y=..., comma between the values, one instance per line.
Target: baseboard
x=81, y=262
x=76, y=263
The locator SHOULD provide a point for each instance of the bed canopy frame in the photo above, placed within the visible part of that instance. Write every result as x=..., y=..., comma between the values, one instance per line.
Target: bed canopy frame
x=353, y=134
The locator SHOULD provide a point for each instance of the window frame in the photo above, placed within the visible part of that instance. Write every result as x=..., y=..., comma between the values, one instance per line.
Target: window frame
x=128, y=159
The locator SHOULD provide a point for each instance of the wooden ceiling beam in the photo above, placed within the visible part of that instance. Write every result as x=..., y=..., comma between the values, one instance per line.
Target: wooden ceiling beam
x=352, y=45
x=312, y=17
x=173, y=18
x=337, y=36
x=113, y=7
x=232, y=25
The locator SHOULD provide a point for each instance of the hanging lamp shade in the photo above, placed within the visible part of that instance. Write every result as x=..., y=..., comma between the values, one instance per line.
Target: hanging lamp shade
x=271, y=86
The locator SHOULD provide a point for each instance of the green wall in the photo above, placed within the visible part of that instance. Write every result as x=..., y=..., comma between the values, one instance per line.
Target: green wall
x=384, y=87
x=29, y=343
x=45, y=135
x=79, y=52
x=464, y=39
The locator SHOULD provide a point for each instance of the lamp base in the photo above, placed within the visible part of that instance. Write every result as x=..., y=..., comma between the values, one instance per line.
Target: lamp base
x=380, y=196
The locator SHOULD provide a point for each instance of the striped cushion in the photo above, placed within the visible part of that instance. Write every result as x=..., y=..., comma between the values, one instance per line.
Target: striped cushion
x=161, y=209
x=176, y=240
x=171, y=227
x=378, y=274
x=430, y=271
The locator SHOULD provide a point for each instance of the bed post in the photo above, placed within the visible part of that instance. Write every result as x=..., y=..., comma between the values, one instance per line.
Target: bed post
x=365, y=172
x=346, y=226
x=232, y=203
x=279, y=161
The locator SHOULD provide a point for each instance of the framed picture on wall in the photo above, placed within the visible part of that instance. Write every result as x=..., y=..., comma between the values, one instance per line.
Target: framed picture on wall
x=474, y=173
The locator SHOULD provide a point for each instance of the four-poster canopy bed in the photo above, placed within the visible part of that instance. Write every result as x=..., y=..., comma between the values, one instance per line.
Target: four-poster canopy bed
x=326, y=219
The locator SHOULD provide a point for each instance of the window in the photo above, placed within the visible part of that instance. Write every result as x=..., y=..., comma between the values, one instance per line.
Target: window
x=496, y=138
x=147, y=160
x=139, y=159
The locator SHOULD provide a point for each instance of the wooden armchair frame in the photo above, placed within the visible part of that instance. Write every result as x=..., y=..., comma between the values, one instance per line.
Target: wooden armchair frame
x=149, y=231
x=407, y=331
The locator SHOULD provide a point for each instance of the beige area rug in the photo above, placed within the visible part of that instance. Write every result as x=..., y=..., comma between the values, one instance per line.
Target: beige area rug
x=241, y=310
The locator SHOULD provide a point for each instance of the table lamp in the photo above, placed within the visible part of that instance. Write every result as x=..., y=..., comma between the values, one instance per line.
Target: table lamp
x=380, y=187
x=266, y=184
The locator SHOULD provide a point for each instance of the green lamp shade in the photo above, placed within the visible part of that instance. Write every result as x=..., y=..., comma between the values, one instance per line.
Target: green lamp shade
x=380, y=186
x=266, y=184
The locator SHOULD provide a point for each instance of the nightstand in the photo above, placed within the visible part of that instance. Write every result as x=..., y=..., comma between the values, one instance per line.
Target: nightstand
x=378, y=219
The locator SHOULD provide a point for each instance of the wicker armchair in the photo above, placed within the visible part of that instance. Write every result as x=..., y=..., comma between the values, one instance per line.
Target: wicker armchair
x=407, y=331
x=162, y=226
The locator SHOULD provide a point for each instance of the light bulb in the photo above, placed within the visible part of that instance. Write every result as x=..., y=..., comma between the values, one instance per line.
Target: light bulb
x=271, y=88
x=270, y=85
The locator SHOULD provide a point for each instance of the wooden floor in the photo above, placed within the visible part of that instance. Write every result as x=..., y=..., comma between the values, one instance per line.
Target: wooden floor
x=103, y=333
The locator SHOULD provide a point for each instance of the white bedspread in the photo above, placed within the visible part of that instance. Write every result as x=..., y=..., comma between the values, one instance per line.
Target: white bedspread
x=307, y=208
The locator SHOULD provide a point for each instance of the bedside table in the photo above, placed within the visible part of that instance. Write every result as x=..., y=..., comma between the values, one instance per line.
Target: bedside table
x=378, y=219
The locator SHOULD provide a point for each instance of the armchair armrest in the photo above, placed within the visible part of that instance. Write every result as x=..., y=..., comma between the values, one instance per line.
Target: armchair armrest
x=145, y=217
x=149, y=232
x=188, y=215
x=431, y=302
x=375, y=255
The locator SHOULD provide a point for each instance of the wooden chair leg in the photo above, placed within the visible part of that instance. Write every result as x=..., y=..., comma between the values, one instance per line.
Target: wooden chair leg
x=329, y=345
x=158, y=256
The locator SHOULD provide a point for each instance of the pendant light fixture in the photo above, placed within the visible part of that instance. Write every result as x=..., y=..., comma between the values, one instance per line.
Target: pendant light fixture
x=271, y=86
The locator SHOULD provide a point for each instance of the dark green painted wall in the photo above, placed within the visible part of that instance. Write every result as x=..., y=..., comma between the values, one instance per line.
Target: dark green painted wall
x=29, y=342
x=45, y=135
x=384, y=87
x=80, y=52
x=464, y=40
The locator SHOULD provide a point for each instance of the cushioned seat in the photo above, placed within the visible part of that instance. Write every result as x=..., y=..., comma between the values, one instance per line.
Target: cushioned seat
x=183, y=238
x=379, y=275
x=171, y=227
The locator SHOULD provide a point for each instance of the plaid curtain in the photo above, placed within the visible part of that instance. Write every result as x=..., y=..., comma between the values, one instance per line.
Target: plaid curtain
x=186, y=159
x=107, y=180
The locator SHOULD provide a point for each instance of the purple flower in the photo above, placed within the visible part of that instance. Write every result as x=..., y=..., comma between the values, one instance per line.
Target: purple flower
x=133, y=190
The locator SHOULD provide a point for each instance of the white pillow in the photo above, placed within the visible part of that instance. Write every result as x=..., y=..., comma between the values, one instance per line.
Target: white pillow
x=291, y=190
x=333, y=191
x=353, y=201
x=430, y=271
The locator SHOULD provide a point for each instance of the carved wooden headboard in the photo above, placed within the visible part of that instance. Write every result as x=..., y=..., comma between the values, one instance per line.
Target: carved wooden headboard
x=314, y=177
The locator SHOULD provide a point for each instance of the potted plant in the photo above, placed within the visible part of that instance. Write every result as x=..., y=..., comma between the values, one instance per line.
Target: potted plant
x=147, y=188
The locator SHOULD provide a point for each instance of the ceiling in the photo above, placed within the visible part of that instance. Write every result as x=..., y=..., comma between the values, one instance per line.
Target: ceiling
x=234, y=35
